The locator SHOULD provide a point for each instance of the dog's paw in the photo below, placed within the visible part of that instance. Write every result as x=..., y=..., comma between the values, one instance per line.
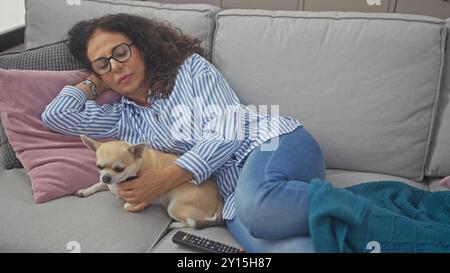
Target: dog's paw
x=83, y=193
x=175, y=225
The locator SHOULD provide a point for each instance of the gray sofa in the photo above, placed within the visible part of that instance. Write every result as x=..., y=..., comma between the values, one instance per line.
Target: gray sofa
x=372, y=88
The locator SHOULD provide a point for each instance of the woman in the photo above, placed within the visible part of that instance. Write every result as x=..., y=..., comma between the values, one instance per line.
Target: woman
x=176, y=101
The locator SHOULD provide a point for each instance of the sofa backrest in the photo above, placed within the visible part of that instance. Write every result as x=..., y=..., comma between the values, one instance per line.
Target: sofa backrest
x=46, y=25
x=439, y=161
x=365, y=85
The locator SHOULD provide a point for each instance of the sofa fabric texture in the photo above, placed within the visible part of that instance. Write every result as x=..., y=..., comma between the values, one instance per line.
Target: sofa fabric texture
x=439, y=164
x=364, y=85
x=196, y=20
x=95, y=224
x=371, y=88
x=8, y=158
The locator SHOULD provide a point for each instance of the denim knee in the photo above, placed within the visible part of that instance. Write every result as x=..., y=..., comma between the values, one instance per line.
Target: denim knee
x=249, y=211
x=254, y=213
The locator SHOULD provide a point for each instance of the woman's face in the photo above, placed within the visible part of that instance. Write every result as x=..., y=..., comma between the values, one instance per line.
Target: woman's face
x=127, y=78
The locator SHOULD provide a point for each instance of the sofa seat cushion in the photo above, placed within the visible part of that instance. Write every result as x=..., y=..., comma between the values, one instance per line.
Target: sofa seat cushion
x=433, y=184
x=98, y=223
x=365, y=85
x=339, y=178
x=344, y=178
x=219, y=234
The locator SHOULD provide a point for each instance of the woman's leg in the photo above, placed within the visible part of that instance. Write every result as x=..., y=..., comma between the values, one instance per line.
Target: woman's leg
x=251, y=244
x=271, y=194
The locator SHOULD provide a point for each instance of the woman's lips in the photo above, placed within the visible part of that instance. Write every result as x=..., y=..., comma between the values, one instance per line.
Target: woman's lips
x=124, y=79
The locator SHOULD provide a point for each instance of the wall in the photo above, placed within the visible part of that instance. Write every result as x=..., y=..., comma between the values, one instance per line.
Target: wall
x=12, y=15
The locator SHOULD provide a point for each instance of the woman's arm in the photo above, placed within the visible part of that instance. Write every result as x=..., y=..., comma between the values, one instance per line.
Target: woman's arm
x=221, y=132
x=220, y=138
x=151, y=184
x=74, y=112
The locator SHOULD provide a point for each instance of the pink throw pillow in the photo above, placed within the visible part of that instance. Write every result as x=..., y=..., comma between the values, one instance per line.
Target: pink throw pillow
x=58, y=165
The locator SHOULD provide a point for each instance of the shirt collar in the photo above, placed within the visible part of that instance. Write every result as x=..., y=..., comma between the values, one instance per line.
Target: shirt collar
x=125, y=100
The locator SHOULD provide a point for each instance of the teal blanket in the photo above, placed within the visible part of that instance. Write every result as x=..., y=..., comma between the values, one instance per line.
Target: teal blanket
x=380, y=216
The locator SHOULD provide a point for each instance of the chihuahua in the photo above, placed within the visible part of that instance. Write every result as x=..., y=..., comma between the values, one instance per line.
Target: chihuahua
x=190, y=205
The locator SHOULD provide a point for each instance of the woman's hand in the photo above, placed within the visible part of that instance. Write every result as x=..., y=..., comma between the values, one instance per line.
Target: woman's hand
x=100, y=85
x=151, y=184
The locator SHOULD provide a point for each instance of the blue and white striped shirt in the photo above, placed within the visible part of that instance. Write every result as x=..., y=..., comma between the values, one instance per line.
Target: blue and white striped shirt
x=202, y=120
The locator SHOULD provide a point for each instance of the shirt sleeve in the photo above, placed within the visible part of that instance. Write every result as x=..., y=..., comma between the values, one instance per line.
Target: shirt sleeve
x=70, y=113
x=220, y=135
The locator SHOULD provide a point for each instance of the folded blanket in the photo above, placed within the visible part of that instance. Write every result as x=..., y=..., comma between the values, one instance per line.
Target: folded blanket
x=380, y=216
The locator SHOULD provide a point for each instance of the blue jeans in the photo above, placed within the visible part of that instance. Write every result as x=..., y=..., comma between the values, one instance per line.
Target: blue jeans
x=271, y=195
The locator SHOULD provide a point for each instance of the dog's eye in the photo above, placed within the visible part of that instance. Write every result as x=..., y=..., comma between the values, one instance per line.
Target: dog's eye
x=118, y=169
x=100, y=167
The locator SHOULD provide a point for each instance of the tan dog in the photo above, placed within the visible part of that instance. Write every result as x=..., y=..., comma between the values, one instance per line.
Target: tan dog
x=190, y=205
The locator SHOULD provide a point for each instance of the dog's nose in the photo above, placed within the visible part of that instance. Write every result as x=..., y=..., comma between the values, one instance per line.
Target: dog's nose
x=106, y=179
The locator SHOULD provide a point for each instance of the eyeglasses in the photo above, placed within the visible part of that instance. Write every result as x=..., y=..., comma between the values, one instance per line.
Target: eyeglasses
x=120, y=53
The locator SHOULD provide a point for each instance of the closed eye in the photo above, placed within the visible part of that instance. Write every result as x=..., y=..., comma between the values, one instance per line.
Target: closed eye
x=100, y=167
x=119, y=169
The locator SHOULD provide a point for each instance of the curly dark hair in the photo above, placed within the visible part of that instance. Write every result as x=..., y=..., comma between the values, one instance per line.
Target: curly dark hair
x=163, y=47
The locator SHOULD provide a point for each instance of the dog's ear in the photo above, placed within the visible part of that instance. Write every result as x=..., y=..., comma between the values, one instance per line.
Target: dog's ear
x=137, y=150
x=90, y=143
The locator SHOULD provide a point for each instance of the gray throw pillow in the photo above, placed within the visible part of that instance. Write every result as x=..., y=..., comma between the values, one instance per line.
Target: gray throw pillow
x=49, y=57
x=8, y=159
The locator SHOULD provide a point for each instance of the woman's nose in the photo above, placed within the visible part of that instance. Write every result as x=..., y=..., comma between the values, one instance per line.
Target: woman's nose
x=115, y=65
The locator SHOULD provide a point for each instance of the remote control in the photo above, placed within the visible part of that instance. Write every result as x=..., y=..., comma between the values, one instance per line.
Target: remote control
x=201, y=243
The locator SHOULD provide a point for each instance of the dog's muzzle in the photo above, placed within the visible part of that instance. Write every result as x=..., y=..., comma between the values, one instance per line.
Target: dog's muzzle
x=106, y=179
